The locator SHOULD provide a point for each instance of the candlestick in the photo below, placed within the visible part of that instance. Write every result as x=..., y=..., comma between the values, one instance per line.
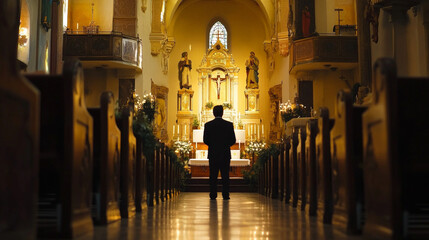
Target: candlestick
x=263, y=134
x=178, y=131
x=174, y=130
x=77, y=26
x=185, y=133
x=259, y=136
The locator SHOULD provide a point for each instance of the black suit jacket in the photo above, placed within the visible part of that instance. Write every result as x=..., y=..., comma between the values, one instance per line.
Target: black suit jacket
x=219, y=136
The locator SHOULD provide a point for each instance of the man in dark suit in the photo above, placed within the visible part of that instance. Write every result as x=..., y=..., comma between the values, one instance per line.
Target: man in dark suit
x=219, y=136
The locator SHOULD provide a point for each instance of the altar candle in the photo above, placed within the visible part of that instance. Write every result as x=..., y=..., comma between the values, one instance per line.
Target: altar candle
x=174, y=130
x=77, y=26
x=178, y=130
x=185, y=131
x=259, y=136
x=263, y=130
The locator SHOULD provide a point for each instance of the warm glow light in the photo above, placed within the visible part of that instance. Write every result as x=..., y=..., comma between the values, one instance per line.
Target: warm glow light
x=23, y=36
x=65, y=13
x=163, y=11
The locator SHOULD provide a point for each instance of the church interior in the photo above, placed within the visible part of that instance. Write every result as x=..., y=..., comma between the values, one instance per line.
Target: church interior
x=103, y=105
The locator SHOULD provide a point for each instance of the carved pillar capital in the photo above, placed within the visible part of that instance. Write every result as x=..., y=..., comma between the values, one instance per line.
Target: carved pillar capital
x=270, y=47
x=167, y=46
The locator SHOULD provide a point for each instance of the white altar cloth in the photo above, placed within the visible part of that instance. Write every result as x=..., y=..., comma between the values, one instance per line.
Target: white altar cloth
x=234, y=162
x=240, y=136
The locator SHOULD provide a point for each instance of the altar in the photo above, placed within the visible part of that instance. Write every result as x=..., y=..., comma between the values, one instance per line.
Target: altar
x=200, y=164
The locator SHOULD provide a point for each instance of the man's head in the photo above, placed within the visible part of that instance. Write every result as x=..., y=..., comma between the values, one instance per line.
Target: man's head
x=184, y=54
x=218, y=111
x=252, y=54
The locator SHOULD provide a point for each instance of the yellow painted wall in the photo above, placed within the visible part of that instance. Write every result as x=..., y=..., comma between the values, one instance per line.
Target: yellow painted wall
x=411, y=49
x=80, y=12
x=326, y=17
x=247, y=31
x=98, y=81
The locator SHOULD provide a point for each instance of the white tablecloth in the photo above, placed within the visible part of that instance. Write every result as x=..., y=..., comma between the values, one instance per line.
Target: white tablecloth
x=205, y=162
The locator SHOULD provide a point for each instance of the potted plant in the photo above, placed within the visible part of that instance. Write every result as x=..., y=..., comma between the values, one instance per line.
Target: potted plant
x=195, y=124
x=209, y=105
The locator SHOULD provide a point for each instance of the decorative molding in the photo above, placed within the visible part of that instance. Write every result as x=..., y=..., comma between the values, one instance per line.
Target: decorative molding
x=167, y=46
x=270, y=48
x=161, y=117
x=144, y=5
x=284, y=43
x=156, y=42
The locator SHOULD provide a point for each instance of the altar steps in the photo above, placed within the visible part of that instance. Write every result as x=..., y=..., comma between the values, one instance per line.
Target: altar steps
x=201, y=184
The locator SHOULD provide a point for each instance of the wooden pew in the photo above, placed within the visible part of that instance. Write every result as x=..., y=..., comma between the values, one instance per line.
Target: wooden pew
x=287, y=186
x=302, y=169
x=167, y=174
x=324, y=173
x=281, y=172
x=311, y=163
x=128, y=165
x=347, y=175
x=107, y=148
x=151, y=178
x=66, y=137
x=141, y=177
x=162, y=173
x=156, y=173
x=19, y=135
x=293, y=161
x=274, y=177
x=396, y=162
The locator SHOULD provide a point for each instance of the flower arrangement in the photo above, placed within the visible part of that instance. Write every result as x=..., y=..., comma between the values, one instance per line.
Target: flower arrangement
x=145, y=107
x=209, y=105
x=182, y=147
x=255, y=147
x=240, y=124
x=293, y=110
x=226, y=105
x=195, y=123
x=251, y=176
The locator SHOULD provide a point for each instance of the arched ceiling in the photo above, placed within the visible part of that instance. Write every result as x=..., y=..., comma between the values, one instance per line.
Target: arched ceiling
x=266, y=8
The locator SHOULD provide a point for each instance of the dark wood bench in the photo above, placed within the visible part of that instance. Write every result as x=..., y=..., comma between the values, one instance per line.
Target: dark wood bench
x=107, y=149
x=311, y=163
x=302, y=169
x=281, y=172
x=274, y=175
x=19, y=135
x=128, y=164
x=324, y=170
x=288, y=179
x=293, y=169
x=347, y=175
x=150, y=158
x=162, y=164
x=396, y=160
x=141, y=177
x=156, y=173
x=66, y=137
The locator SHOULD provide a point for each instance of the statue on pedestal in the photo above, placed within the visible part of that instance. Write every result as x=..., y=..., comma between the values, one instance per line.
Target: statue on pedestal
x=252, y=67
x=185, y=66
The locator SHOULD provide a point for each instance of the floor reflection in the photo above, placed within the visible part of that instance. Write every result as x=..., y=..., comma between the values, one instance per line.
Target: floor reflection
x=195, y=216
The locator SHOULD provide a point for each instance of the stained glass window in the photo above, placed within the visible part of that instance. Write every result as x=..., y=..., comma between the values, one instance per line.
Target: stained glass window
x=218, y=31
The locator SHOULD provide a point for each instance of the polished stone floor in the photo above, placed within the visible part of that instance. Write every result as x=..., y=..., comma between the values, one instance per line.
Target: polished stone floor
x=244, y=216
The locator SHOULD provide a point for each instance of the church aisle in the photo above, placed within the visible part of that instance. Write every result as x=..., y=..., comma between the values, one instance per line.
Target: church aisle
x=194, y=216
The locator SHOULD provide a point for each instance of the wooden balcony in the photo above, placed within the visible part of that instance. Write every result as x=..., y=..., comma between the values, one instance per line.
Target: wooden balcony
x=109, y=50
x=324, y=52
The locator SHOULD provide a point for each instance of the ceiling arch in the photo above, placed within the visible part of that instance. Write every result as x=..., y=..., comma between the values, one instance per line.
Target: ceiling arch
x=265, y=7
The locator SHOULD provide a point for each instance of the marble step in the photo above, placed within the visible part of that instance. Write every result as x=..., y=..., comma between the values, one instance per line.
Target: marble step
x=202, y=185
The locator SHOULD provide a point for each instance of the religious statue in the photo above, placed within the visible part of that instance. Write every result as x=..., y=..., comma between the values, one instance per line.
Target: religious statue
x=306, y=21
x=252, y=67
x=185, y=66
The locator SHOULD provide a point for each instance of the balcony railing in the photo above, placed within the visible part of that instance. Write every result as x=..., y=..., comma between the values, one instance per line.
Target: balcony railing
x=315, y=52
x=125, y=51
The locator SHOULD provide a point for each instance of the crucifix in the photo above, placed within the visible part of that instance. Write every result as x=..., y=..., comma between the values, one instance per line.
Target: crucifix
x=218, y=81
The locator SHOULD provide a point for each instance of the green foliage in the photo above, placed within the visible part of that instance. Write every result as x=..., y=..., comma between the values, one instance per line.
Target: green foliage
x=195, y=123
x=299, y=111
x=252, y=175
x=209, y=105
x=226, y=105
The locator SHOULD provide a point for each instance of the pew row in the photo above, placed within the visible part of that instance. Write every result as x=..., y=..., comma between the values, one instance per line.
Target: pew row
x=106, y=174
x=395, y=157
x=19, y=135
x=347, y=174
x=66, y=137
x=127, y=164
